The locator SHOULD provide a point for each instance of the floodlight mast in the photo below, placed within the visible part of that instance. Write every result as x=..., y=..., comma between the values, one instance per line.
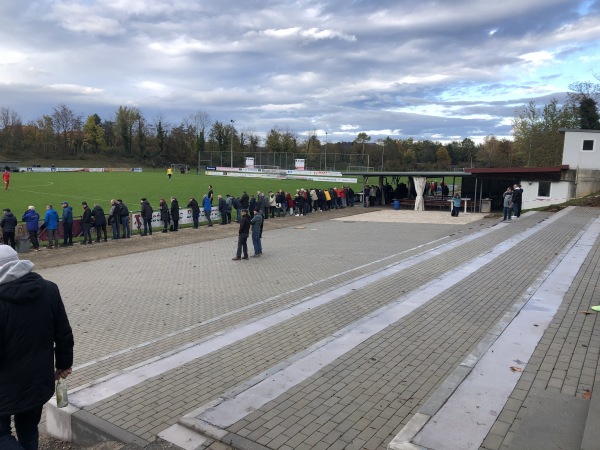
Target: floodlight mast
x=232, y=122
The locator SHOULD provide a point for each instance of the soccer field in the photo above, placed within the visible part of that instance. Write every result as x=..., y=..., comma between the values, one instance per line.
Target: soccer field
x=40, y=189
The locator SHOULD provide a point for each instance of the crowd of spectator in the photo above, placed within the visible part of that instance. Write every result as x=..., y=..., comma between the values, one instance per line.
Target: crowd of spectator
x=118, y=219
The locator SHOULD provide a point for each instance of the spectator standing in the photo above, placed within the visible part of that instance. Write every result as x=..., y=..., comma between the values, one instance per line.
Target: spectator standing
x=228, y=205
x=51, y=225
x=67, y=221
x=99, y=220
x=456, y=204
x=237, y=204
x=517, y=199
x=507, y=203
x=36, y=348
x=124, y=212
x=86, y=224
x=222, y=209
x=243, y=233
x=175, y=213
x=114, y=219
x=164, y=214
x=8, y=223
x=6, y=178
x=207, y=206
x=193, y=204
x=146, y=216
x=272, y=204
x=32, y=219
x=210, y=193
x=257, y=222
x=252, y=205
x=245, y=200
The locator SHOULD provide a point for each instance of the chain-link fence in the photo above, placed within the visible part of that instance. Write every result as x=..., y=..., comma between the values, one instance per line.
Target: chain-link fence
x=286, y=161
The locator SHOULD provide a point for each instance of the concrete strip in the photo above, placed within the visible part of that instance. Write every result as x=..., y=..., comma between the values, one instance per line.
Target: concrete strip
x=464, y=421
x=115, y=383
x=236, y=406
x=183, y=437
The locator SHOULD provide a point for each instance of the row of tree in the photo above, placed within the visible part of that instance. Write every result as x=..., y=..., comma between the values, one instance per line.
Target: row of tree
x=66, y=135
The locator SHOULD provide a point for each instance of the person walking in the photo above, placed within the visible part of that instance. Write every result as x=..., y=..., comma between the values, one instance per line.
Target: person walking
x=36, y=348
x=6, y=178
x=193, y=204
x=99, y=220
x=146, y=216
x=507, y=204
x=32, y=219
x=175, y=213
x=8, y=223
x=51, y=225
x=86, y=224
x=243, y=233
x=257, y=222
x=169, y=173
x=67, y=221
x=207, y=206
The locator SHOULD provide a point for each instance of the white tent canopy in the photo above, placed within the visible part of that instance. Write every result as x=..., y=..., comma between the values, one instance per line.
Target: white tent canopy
x=419, y=187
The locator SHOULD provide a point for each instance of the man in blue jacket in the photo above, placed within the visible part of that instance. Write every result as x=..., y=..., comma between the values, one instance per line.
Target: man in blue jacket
x=51, y=225
x=67, y=220
x=36, y=348
x=32, y=219
x=207, y=206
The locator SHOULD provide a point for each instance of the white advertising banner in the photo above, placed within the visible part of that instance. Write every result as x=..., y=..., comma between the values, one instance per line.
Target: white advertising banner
x=185, y=217
x=249, y=163
x=299, y=164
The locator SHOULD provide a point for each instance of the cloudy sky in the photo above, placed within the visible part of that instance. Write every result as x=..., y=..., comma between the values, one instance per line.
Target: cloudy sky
x=441, y=70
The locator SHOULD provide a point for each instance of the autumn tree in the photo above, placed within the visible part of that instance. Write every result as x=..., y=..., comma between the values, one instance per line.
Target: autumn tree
x=93, y=134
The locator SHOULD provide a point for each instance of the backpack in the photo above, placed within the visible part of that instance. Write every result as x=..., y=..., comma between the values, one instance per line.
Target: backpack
x=124, y=211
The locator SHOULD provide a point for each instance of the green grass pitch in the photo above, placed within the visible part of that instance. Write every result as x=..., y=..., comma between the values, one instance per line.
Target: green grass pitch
x=41, y=189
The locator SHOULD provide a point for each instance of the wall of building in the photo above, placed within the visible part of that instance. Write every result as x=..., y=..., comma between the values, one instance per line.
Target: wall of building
x=587, y=182
x=574, y=156
x=560, y=191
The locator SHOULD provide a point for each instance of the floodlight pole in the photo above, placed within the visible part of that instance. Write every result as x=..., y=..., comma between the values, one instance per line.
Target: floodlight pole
x=232, y=122
x=326, y=150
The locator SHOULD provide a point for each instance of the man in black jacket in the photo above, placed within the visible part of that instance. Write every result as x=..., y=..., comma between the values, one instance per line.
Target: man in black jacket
x=86, y=224
x=243, y=237
x=9, y=226
x=175, y=213
x=195, y=210
x=36, y=348
x=146, y=216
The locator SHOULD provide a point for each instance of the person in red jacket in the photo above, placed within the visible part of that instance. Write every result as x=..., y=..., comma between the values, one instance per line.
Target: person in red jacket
x=6, y=178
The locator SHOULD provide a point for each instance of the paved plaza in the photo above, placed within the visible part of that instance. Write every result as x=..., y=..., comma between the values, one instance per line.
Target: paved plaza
x=357, y=329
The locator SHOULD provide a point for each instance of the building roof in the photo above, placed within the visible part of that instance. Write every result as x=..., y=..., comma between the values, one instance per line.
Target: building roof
x=576, y=130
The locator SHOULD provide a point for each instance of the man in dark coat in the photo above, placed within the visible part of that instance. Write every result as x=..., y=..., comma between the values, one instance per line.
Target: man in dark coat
x=175, y=213
x=243, y=237
x=36, y=348
x=193, y=204
x=99, y=221
x=67, y=221
x=146, y=216
x=8, y=223
x=86, y=224
x=245, y=200
x=237, y=204
x=222, y=209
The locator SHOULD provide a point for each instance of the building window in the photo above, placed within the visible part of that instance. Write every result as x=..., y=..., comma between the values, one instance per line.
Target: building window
x=588, y=145
x=544, y=189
